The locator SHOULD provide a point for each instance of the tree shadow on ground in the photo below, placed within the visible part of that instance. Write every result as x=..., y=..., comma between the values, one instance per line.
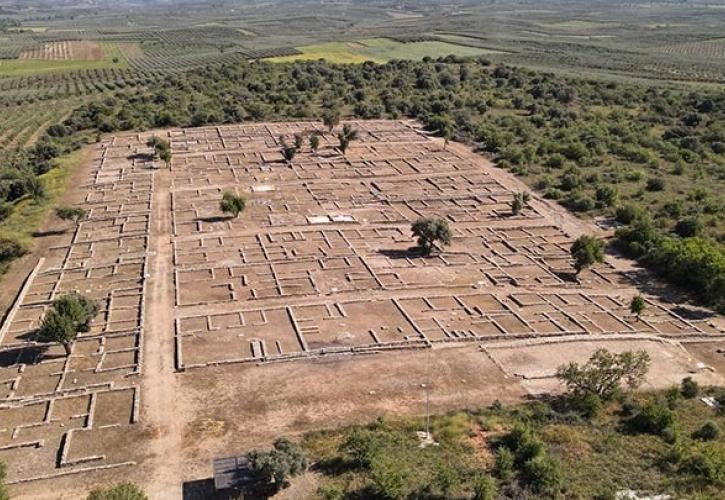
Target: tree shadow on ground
x=22, y=355
x=407, y=253
x=215, y=218
x=52, y=232
x=141, y=156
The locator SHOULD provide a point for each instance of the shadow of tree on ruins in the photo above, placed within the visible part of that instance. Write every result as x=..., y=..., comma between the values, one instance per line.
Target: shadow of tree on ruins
x=22, y=355
x=141, y=157
x=567, y=276
x=215, y=218
x=51, y=232
x=407, y=253
x=692, y=314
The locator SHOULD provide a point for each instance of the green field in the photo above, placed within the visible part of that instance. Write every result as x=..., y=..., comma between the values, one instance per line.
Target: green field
x=24, y=67
x=379, y=50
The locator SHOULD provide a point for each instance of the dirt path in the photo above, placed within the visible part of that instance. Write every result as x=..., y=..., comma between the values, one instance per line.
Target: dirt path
x=160, y=385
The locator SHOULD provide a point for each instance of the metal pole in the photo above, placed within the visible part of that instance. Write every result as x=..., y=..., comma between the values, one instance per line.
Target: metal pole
x=427, y=411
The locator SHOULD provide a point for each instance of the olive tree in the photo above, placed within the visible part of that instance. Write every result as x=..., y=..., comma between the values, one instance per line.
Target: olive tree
x=428, y=230
x=162, y=148
x=75, y=214
x=232, y=203
x=605, y=372
x=346, y=136
x=520, y=201
x=637, y=306
x=331, y=118
x=273, y=468
x=315, y=142
x=585, y=251
x=68, y=316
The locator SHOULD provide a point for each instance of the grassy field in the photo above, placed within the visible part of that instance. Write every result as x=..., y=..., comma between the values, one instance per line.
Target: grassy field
x=113, y=57
x=28, y=214
x=379, y=50
x=596, y=457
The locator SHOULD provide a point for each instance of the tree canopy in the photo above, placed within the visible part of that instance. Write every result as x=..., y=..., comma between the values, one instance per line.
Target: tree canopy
x=585, y=251
x=232, y=203
x=605, y=373
x=68, y=316
x=430, y=230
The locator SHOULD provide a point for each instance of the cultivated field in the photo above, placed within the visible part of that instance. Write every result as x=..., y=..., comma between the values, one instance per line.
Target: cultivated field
x=202, y=314
x=381, y=50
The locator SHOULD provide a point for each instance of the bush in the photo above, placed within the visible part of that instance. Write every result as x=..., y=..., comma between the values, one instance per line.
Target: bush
x=121, y=491
x=655, y=184
x=5, y=210
x=388, y=478
x=504, y=467
x=330, y=491
x=628, y=213
x=484, y=488
x=689, y=388
x=653, y=418
x=706, y=463
x=689, y=226
x=543, y=475
x=10, y=249
x=708, y=432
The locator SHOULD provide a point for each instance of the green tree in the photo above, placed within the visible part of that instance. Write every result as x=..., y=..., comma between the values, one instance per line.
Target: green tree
x=275, y=467
x=299, y=140
x=585, y=251
x=121, y=491
x=346, y=136
x=331, y=118
x=519, y=202
x=637, y=306
x=232, y=203
x=315, y=142
x=689, y=388
x=75, y=214
x=68, y=316
x=428, y=230
x=605, y=372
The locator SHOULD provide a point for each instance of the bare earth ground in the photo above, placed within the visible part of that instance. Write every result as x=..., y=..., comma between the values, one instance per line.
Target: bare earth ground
x=308, y=311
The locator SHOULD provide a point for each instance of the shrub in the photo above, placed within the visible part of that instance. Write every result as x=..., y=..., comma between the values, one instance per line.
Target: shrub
x=388, y=478
x=708, y=432
x=653, y=418
x=628, y=213
x=689, y=226
x=689, y=388
x=706, y=462
x=484, y=488
x=655, y=184
x=10, y=249
x=330, y=491
x=121, y=491
x=504, y=467
x=543, y=475
x=5, y=210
